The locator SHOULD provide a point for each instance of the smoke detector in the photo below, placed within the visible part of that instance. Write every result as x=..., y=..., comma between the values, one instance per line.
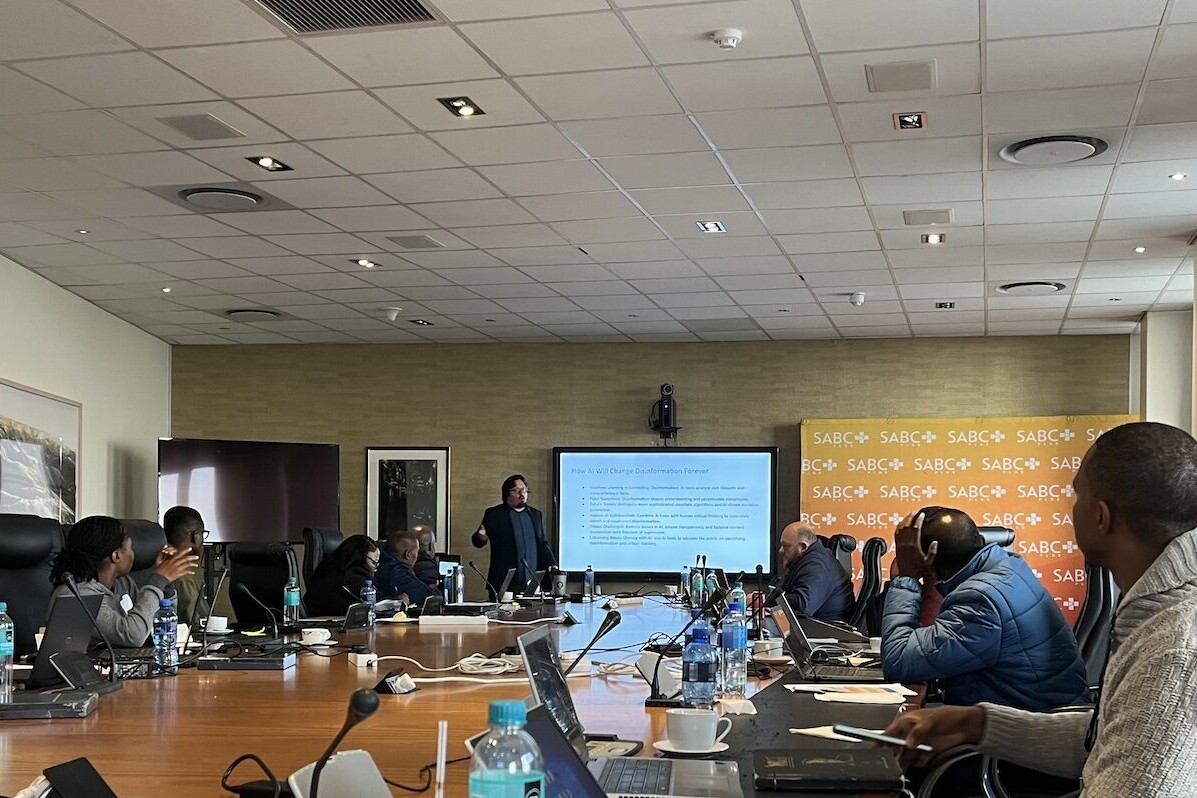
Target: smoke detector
x=727, y=38
x=1052, y=150
x=857, y=299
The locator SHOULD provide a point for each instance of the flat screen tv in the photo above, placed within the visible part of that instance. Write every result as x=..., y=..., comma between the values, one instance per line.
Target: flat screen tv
x=251, y=491
x=646, y=512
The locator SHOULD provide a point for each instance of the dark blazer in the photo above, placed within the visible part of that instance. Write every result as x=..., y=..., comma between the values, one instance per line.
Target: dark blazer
x=817, y=585
x=503, y=557
x=326, y=590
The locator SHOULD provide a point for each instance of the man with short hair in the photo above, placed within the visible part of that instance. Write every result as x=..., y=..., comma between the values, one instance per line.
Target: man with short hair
x=396, y=576
x=815, y=583
x=1135, y=513
x=517, y=531
x=998, y=637
x=184, y=529
x=427, y=567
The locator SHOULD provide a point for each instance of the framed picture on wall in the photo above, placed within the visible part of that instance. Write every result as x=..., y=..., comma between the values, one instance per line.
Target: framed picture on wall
x=39, y=453
x=406, y=488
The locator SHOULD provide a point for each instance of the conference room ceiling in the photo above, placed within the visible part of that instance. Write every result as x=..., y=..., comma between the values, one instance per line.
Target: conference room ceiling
x=569, y=210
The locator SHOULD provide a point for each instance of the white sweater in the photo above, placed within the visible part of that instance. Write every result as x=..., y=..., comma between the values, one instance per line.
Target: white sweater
x=1147, y=726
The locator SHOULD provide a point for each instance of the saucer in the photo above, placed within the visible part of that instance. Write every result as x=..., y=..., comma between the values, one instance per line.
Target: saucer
x=666, y=747
x=773, y=659
x=225, y=631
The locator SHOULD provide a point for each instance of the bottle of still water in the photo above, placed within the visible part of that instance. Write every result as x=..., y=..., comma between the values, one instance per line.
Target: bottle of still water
x=697, y=588
x=735, y=651
x=291, y=603
x=712, y=584
x=6, y=652
x=458, y=584
x=684, y=583
x=588, y=585
x=699, y=665
x=166, y=629
x=507, y=762
x=368, y=596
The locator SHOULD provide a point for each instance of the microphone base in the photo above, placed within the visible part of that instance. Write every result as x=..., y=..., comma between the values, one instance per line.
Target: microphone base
x=666, y=703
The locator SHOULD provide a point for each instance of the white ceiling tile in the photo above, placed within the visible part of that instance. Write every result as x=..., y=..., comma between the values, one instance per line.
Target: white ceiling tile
x=401, y=279
x=97, y=230
x=469, y=10
x=253, y=131
x=638, y=327
x=1175, y=57
x=549, y=177
x=744, y=223
x=519, y=144
x=1033, y=271
x=634, y=251
x=500, y=102
x=566, y=207
x=253, y=69
x=1128, y=268
x=577, y=288
x=462, y=306
x=937, y=256
x=403, y=57
x=540, y=256
x=21, y=94
x=659, y=268
x=639, y=135
x=1031, y=18
x=1043, y=209
x=1166, y=227
x=1060, y=109
x=728, y=247
x=267, y=222
x=78, y=133
x=1056, y=62
x=889, y=25
x=117, y=79
x=292, y=264
x=59, y=255
x=327, y=192
x=434, y=186
x=554, y=44
x=1059, y=182
x=698, y=299
x=184, y=226
x=689, y=200
x=1133, y=177
x=771, y=127
x=153, y=168
x=1034, y=253
x=599, y=95
x=559, y=317
x=756, y=265
x=912, y=157
x=1039, y=233
x=789, y=163
x=474, y=213
x=804, y=194
x=12, y=148
x=45, y=29
x=943, y=291
x=958, y=70
x=497, y=275
x=829, y=242
x=747, y=84
x=320, y=243
x=16, y=235
x=818, y=220
x=1169, y=101
x=23, y=206
x=364, y=295
x=1026, y=314
x=938, y=276
x=51, y=174
x=901, y=237
x=546, y=305
x=854, y=279
x=122, y=273
x=147, y=250
x=384, y=154
x=608, y=230
x=327, y=116
x=843, y=261
x=734, y=335
x=676, y=35
x=1125, y=250
x=945, y=116
x=605, y=307
x=956, y=186
x=464, y=259
x=233, y=247
x=512, y=235
x=233, y=161
x=963, y=214
x=1128, y=297
x=1155, y=203
x=166, y=23
x=666, y=170
x=363, y=219
x=1119, y=285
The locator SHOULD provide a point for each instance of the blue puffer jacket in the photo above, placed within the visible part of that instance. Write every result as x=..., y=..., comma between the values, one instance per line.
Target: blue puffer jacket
x=999, y=637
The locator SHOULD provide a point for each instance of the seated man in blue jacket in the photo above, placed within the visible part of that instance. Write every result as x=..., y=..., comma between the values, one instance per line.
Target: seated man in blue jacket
x=999, y=637
x=396, y=575
x=815, y=583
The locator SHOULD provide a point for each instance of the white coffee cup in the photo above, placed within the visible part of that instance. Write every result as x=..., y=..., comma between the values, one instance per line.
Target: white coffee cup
x=218, y=623
x=507, y=598
x=875, y=644
x=770, y=647
x=694, y=729
x=314, y=636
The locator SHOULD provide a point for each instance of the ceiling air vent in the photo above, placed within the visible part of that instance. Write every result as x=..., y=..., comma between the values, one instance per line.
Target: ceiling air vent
x=902, y=76
x=1031, y=288
x=415, y=242
x=202, y=127
x=252, y=314
x=919, y=218
x=1052, y=150
x=316, y=16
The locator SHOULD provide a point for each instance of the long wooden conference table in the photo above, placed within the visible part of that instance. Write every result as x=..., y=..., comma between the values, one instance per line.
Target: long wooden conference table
x=176, y=735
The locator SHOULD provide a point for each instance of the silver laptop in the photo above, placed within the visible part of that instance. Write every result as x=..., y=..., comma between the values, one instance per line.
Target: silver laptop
x=618, y=777
x=801, y=648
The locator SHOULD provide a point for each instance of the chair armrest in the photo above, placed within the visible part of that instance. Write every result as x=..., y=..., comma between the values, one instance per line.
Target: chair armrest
x=942, y=762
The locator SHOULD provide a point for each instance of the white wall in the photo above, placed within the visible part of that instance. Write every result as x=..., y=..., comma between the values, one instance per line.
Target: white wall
x=56, y=342
x=1166, y=368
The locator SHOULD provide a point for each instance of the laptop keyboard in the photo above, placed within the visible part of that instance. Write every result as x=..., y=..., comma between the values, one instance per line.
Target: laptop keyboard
x=623, y=775
x=847, y=672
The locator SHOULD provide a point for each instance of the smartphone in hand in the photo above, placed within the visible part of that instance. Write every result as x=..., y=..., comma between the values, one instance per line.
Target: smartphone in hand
x=875, y=737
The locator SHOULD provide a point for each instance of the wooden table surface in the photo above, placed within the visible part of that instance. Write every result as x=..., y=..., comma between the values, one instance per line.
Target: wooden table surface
x=175, y=736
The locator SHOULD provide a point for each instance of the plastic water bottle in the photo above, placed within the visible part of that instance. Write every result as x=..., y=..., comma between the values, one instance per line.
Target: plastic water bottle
x=698, y=669
x=458, y=584
x=684, y=586
x=735, y=652
x=689, y=638
x=166, y=628
x=6, y=651
x=711, y=586
x=588, y=585
x=291, y=603
x=737, y=594
x=369, y=595
x=697, y=588
x=507, y=762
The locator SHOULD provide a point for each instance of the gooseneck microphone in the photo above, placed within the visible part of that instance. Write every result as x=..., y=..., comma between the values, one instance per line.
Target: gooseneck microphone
x=610, y=622
x=758, y=612
x=655, y=699
x=208, y=618
x=68, y=579
x=529, y=587
x=362, y=704
x=269, y=613
x=486, y=581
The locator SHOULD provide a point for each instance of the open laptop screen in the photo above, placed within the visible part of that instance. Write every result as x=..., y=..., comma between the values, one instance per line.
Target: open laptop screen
x=67, y=629
x=565, y=776
x=542, y=662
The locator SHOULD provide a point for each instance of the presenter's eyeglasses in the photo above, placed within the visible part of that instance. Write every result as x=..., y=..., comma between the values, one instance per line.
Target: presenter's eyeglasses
x=518, y=491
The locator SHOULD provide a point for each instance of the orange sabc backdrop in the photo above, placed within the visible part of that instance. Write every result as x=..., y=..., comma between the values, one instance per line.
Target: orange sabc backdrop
x=862, y=476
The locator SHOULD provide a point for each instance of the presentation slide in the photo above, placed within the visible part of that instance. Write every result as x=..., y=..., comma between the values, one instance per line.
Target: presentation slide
x=644, y=511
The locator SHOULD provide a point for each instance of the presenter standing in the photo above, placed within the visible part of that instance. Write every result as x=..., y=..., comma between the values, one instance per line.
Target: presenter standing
x=516, y=531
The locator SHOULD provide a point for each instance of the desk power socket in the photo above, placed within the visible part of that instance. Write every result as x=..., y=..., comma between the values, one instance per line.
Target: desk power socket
x=367, y=660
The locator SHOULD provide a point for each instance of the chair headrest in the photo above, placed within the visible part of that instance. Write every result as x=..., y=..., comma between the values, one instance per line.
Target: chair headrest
x=258, y=554
x=27, y=540
x=148, y=539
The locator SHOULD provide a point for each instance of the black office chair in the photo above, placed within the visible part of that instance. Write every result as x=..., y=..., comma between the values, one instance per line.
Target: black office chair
x=264, y=569
x=27, y=544
x=1001, y=535
x=318, y=543
x=1092, y=628
x=866, y=612
x=841, y=547
x=148, y=539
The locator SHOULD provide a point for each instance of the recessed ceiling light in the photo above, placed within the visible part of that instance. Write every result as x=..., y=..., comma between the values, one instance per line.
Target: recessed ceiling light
x=365, y=263
x=269, y=163
x=492, y=321
x=82, y=232
x=422, y=322
x=1114, y=299
x=783, y=310
x=1140, y=250
x=944, y=305
x=1178, y=176
x=711, y=226
x=914, y=120
x=461, y=106
x=933, y=238
x=166, y=289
